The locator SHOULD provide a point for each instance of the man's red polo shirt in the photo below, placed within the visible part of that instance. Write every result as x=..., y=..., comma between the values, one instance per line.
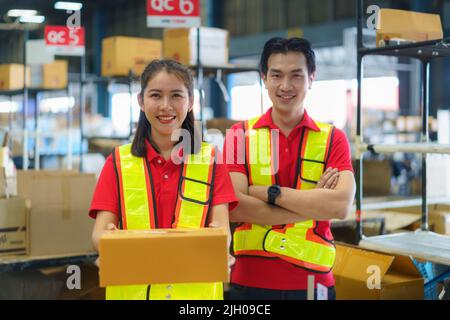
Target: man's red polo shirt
x=277, y=274
x=166, y=175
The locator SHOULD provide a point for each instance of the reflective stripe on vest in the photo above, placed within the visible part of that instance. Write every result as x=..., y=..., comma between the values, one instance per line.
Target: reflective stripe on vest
x=297, y=243
x=138, y=212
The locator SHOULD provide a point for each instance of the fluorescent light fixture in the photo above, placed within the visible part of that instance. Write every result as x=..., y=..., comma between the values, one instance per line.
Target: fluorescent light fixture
x=15, y=13
x=73, y=6
x=32, y=19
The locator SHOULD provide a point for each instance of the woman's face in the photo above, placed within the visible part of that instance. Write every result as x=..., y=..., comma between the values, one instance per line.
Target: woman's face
x=165, y=102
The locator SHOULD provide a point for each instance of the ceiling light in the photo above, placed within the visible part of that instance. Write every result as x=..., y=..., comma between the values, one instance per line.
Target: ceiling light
x=32, y=19
x=15, y=13
x=73, y=6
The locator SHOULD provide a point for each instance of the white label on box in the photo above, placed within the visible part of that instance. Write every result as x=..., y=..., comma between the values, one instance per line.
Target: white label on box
x=173, y=22
x=67, y=50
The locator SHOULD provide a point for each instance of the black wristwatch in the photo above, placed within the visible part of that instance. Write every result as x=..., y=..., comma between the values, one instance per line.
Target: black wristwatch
x=273, y=192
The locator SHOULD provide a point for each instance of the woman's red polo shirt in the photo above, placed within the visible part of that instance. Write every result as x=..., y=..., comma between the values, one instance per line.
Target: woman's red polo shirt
x=166, y=175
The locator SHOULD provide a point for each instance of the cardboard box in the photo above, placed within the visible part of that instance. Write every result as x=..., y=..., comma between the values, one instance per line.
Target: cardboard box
x=408, y=25
x=50, y=75
x=129, y=257
x=181, y=45
x=13, y=226
x=59, y=222
x=120, y=55
x=353, y=271
x=11, y=77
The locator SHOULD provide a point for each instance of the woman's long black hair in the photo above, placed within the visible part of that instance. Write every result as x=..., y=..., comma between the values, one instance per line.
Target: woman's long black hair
x=143, y=131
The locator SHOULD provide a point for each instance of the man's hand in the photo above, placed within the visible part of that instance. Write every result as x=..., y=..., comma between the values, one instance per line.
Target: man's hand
x=329, y=179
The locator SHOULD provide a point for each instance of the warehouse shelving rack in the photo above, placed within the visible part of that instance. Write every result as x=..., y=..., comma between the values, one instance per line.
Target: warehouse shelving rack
x=124, y=80
x=24, y=262
x=200, y=71
x=26, y=92
x=421, y=244
x=34, y=93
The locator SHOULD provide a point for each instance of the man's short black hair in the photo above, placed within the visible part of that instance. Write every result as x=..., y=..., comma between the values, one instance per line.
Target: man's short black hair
x=283, y=45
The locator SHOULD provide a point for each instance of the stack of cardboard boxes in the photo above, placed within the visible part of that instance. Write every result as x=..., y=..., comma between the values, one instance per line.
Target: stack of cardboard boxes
x=14, y=213
x=400, y=26
x=59, y=201
x=49, y=216
x=12, y=77
x=52, y=75
x=124, y=55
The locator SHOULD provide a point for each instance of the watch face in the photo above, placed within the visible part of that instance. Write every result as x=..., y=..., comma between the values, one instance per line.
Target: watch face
x=274, y=190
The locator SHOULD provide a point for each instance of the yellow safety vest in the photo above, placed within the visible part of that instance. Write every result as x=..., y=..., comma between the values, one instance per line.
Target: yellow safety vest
x=138, y=212
x=298, y=243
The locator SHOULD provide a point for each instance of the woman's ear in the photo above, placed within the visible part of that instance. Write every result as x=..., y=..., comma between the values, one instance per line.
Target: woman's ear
x=191, y=104
x=141, y=102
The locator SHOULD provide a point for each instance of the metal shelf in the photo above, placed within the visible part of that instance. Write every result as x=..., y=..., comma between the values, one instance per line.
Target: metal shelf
x=226, y=69
x=420, y=50
x=424, y=245
x=425, y=52
x=21, y=263
x=420, y=148
x=30, y=90
x=107, y=80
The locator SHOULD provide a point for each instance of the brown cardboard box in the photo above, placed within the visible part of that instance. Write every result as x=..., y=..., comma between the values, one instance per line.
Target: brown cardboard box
x=52, y=75
x=13, y=226
x=408, y=25
x=163, y=256
x=399, y=278
x=122, y=54
x=11, y=77
x=181, y=45
x=59, y=222
x=55, y=74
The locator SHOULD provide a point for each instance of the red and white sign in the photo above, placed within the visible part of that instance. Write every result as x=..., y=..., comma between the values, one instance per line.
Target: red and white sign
x=173, y=13
x=65, y=41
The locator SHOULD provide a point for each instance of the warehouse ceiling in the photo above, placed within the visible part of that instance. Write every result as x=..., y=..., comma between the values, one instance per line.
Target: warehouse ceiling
x=46, y=8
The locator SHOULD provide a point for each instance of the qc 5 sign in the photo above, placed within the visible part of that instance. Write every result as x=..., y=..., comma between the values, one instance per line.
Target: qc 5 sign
x=66, y=41
x=173, y=13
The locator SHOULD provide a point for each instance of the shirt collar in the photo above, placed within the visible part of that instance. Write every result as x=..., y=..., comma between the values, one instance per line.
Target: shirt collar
x=152, y=154
x=267, y=121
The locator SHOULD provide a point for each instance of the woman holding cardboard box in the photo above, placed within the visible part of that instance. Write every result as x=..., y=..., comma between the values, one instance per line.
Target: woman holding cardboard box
x=167, y=178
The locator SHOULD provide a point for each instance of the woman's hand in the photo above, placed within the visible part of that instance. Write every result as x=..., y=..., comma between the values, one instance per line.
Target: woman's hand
x=108, y=227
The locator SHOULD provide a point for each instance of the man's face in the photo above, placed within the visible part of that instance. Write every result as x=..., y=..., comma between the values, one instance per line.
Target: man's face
x=287, y=80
